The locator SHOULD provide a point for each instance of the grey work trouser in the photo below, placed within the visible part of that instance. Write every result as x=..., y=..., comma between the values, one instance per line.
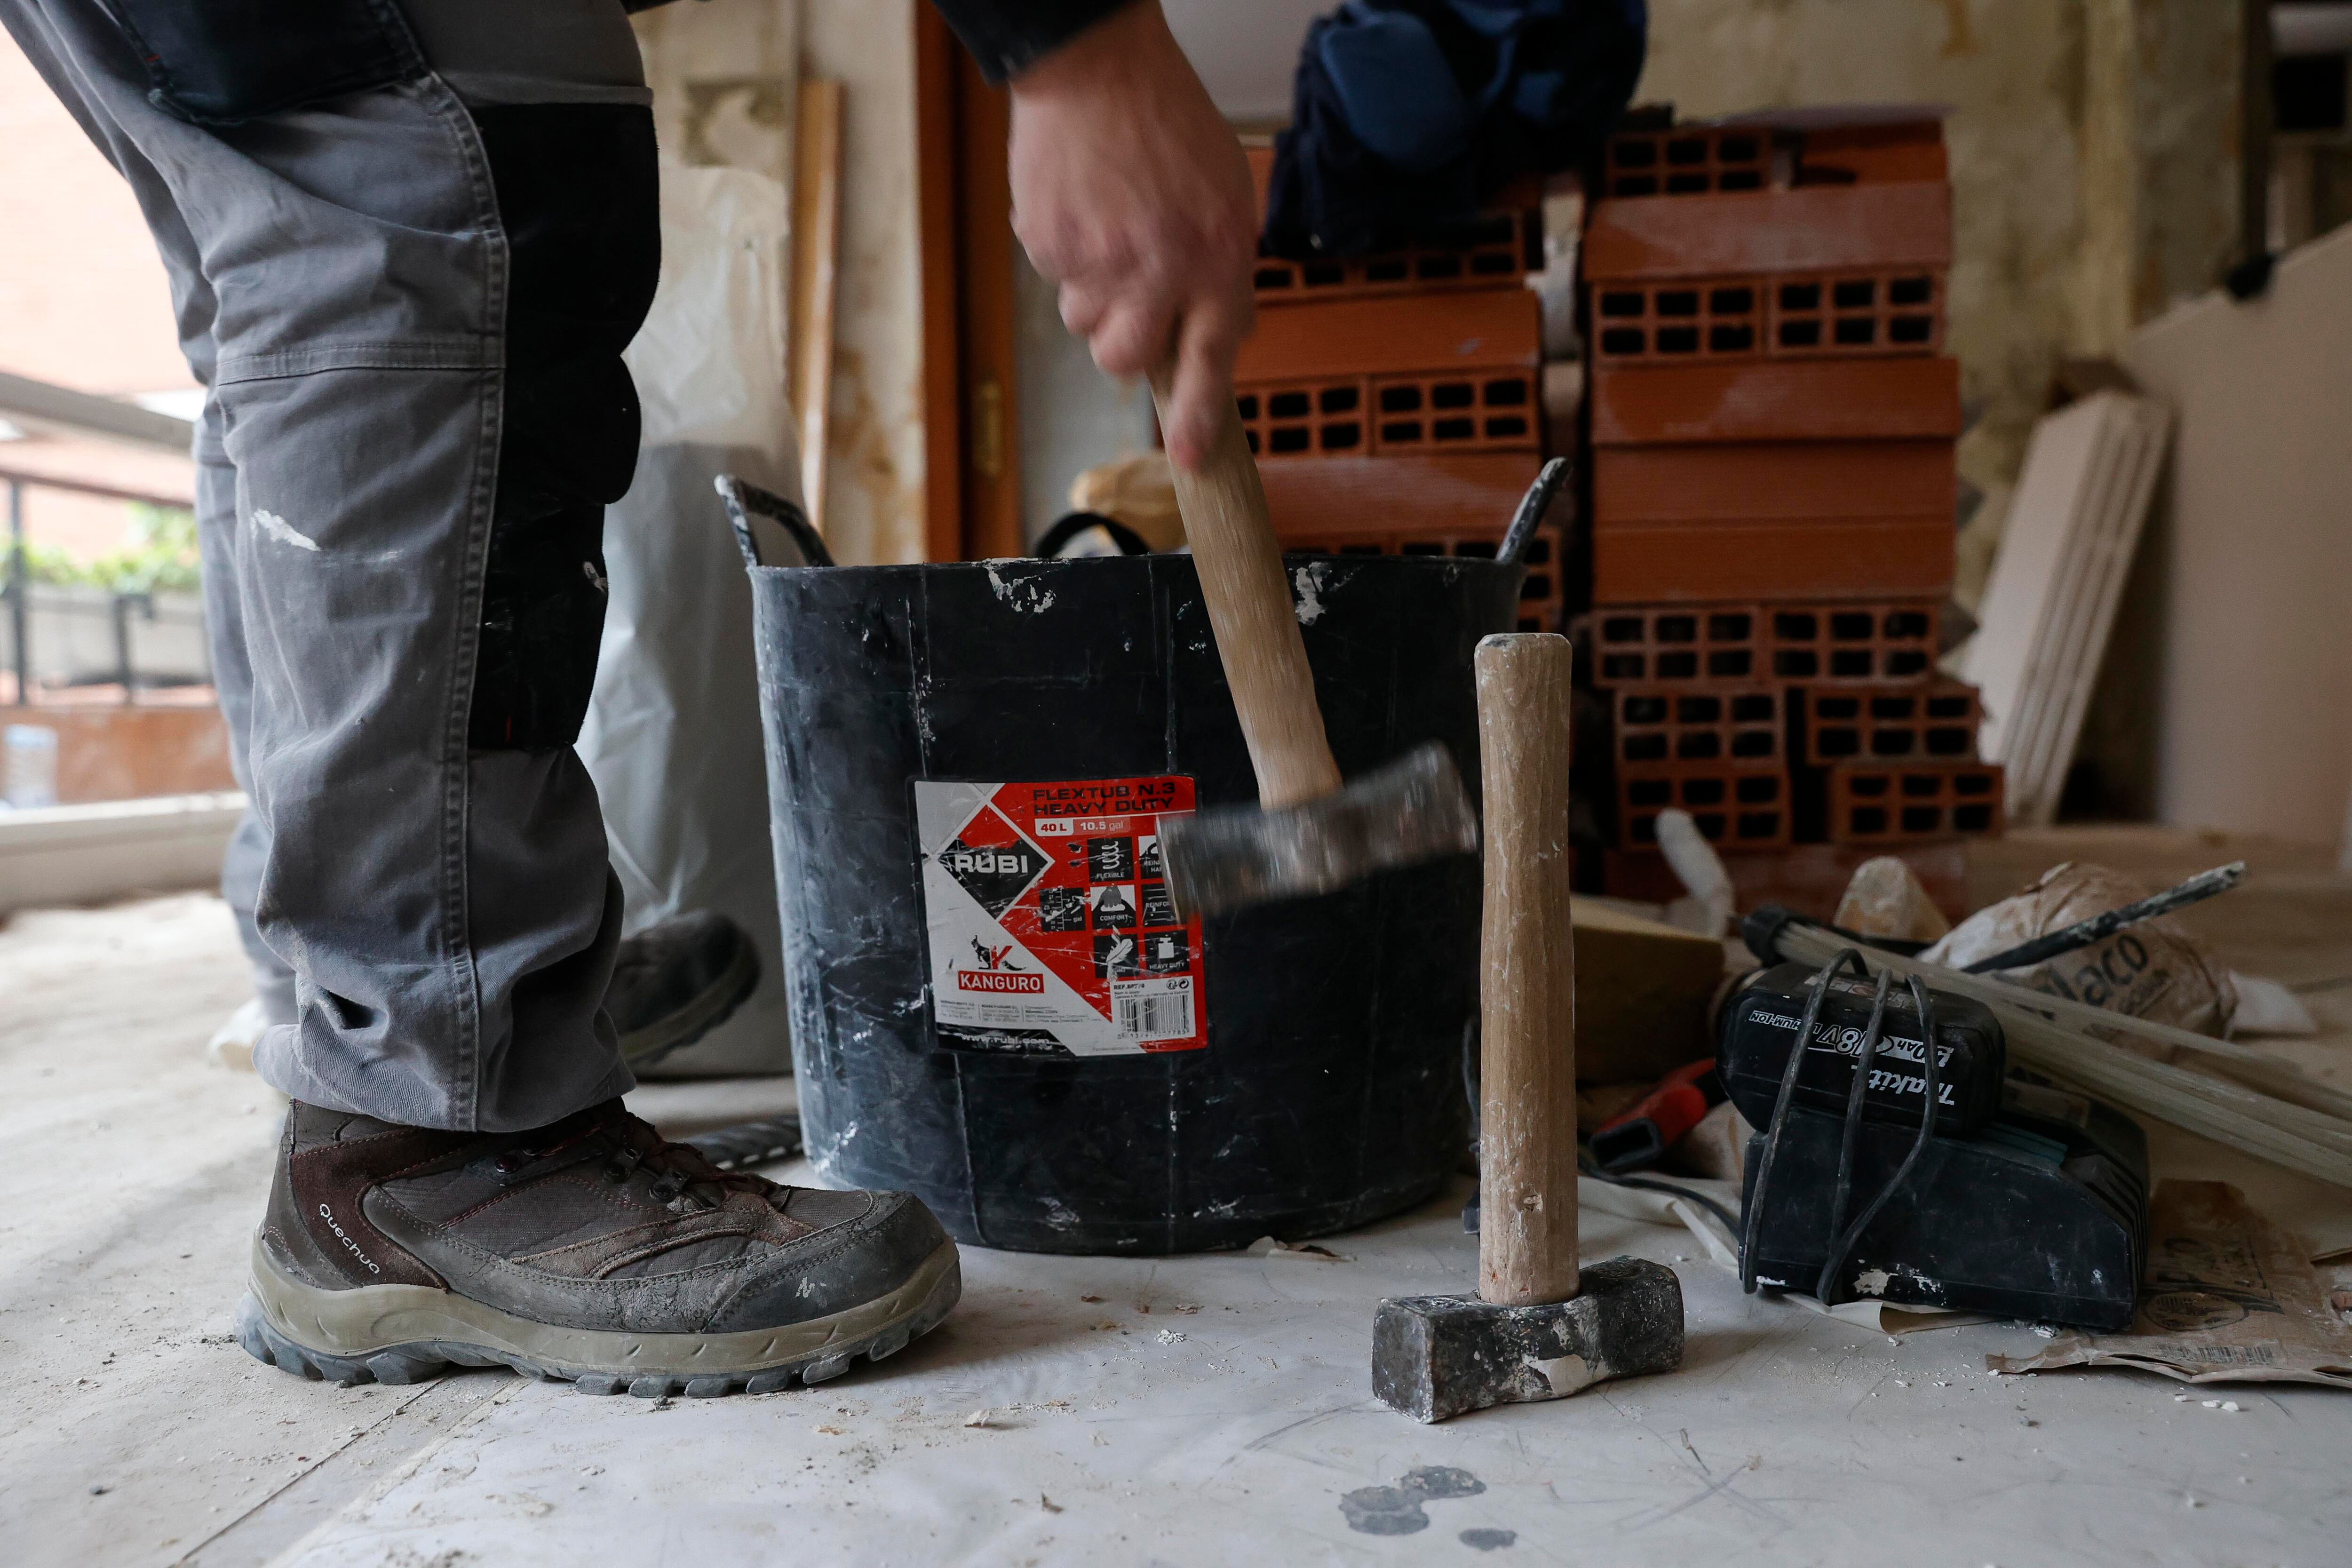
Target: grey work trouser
x=349, y=294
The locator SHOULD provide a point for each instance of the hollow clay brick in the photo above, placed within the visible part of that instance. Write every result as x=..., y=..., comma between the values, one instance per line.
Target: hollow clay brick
x=1776, y=400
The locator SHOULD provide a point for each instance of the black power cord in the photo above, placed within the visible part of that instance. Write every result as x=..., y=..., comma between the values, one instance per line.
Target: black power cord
x=1773, y=1129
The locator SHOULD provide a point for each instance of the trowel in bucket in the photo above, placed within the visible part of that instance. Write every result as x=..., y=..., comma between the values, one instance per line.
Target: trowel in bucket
x=1309, y=833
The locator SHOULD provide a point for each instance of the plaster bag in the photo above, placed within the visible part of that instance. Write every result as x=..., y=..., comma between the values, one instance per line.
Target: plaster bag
x=673, y=736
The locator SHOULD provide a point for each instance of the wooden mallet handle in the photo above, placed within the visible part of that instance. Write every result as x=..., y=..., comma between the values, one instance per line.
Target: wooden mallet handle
x=1526, y=1117
x=1234, y=549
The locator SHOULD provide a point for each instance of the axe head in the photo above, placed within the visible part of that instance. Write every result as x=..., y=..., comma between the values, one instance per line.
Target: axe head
x=1411, y=810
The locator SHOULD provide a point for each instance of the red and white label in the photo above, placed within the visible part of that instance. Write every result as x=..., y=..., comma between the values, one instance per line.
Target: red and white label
x=1050, y=927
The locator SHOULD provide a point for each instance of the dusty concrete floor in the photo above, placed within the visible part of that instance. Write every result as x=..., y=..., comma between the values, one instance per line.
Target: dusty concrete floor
x=137, y=1433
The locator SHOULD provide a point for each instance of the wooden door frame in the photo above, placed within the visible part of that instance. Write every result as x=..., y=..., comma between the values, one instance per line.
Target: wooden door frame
x=971, y=488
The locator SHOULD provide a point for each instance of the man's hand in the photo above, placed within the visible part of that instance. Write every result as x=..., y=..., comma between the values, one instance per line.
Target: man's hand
x=1130, y=192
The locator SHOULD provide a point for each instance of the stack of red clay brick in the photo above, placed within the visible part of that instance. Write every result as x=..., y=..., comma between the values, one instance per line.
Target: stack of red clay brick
x=1772, y=489
x=1393, y=400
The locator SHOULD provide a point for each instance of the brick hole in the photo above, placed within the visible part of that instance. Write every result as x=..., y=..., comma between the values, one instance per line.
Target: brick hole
x=1853, y=331
x=1490, y=264
x=1643, y=830
x=1795, y=664
x=1729, y=627
x=1387, y=271
x=1703, y=791
x=1753, y=708
x=1922, y=785
x=1538, y=552
x=1971, y=783
x=1700, y=710
x=1855, y=293
x=1420, y=547
x=1677, y=302
x=1479, y=549
x=1290, y=439
x=1759, y=825
x=1795, y=627
x=1848, y=708
x=1622, y=628
x=1972, y=818
x=1864, y=820
x=1737, y=150
x=1730, y=339
x=1850, y=663
x=1909, y=329
x=1637, y=186
x=1850, y=626
x=1649, y=792
x=1759, y=789
x=1892, y=709
x=1870, y=784
x=1800, y=335
x=1800, y=296
x=1361, y=550
x=1645, y=710
x=1399, y=399
x=1907, y=624
x=1922, y=819
x=1397, y=432
x=1948, y=708
x=1678, y=628
x=1454, y=430
x=1329, y=274
x=1698, y=746
x=1253, y=439
x=1623, y=302
x=1677, y=666
x=1729, y=662
x=1904, y=661
x=1910, y=290
x=1752, y=743
x=1453, y=395
x=1741, y=180
x=1837, y=741
x=1738, y=301
x=1345, y=437
x=1288, y=405
x=1537, y=586
x=1687, y=149
x=1438, y=267
x=1644, y=748
x=1948, y=742
x=1621, y=666
x=1272, y=277
x=1710, y=825
x=1511, y=391
x=1635, y=153
x=1505, y=427
x=1338, y=400
x=1622, y=339
x=1890, y=742
x=1248, y=404
x=1677, y=340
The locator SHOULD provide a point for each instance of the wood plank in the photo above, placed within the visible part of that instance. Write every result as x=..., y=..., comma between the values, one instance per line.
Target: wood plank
x=816, y=253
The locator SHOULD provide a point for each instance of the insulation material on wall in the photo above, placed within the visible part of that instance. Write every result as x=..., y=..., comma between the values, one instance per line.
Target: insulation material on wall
x=2253, y=551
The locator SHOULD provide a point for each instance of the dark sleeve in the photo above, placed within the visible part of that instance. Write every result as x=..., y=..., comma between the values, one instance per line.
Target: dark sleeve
x=1007, y=37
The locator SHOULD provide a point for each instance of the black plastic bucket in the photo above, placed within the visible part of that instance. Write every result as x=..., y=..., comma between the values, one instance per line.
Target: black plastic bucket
x=1326, y=1086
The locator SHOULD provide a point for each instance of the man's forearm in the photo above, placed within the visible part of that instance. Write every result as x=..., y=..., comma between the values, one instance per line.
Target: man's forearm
x=1007, y=37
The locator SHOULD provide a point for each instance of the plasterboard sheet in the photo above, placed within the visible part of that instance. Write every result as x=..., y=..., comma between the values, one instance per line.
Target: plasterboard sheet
x=2254, y=710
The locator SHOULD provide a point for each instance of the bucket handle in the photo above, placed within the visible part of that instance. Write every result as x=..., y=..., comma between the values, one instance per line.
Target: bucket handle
x=1532, y=506
x=743, y=499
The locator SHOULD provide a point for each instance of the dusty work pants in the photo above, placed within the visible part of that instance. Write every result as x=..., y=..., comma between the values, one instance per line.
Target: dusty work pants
x=408, y=311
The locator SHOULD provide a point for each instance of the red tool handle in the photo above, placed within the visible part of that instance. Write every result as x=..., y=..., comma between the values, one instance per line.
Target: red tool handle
x=1639, y=1136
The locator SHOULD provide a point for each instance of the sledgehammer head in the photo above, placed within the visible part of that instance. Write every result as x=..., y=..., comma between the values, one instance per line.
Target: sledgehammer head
x=1411, y=810
x=1438, y=1356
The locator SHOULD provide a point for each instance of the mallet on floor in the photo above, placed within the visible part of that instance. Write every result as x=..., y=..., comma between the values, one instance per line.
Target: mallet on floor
x=1309, y=833
x=1536, y=1328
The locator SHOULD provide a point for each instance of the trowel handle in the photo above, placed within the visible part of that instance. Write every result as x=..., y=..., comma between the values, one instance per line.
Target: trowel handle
x=1234, y=549
x=1527, y=991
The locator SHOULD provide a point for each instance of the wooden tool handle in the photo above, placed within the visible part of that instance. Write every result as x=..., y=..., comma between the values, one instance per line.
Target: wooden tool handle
x=1240, y=565
x=1526, y=1117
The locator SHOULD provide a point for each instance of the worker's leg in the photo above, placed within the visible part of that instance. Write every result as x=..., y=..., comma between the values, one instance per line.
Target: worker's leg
x=420, y=627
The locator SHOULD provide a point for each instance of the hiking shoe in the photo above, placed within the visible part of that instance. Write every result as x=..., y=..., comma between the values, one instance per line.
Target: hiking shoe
x=675, y=981
x=593, y=1249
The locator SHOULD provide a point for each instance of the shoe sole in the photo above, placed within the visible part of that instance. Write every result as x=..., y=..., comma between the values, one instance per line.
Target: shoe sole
x=716, y=1003
x=408, y=1333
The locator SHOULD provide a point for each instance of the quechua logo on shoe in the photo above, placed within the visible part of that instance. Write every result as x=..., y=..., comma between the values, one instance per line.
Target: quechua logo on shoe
x=353, y=1246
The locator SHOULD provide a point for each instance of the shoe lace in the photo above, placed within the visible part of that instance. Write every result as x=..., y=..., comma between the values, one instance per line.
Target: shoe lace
x=627, y=1144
